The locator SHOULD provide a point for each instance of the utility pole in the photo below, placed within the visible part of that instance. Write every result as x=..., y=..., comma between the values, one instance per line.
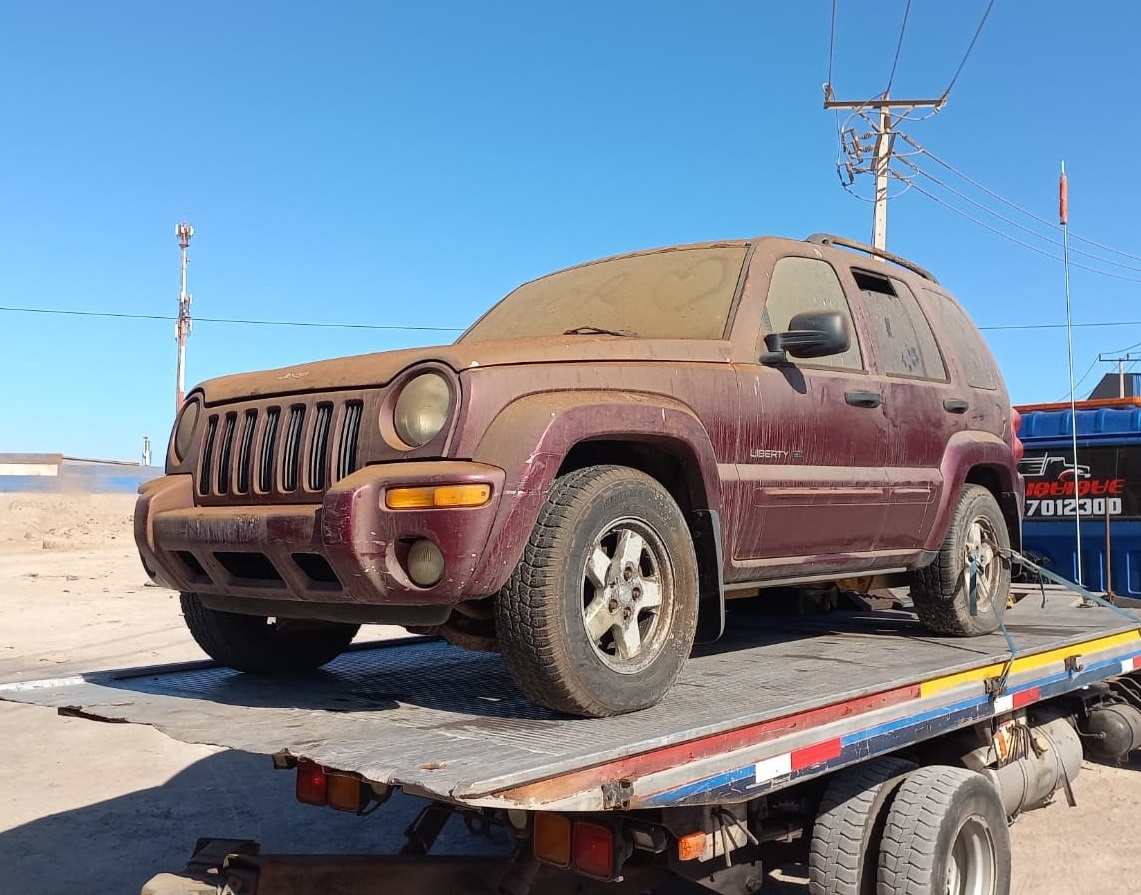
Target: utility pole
x=182, y=328
x=1121, y=362
x=878, y=113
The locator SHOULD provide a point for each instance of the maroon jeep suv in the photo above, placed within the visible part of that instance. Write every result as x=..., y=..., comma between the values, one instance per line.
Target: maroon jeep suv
x=597, y=465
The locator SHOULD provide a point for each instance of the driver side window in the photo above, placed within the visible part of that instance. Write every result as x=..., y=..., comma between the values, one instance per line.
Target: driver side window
x=808, y=284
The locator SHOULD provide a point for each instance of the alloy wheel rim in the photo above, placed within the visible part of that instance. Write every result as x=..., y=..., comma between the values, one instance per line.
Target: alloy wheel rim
x=627, y=596
x=981, y=546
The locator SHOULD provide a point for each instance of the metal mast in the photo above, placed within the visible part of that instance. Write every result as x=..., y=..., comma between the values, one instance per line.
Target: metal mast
x=182, y=328
x=1064, y=220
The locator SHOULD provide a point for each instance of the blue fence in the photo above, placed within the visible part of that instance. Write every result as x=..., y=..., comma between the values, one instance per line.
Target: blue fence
x=54, y=473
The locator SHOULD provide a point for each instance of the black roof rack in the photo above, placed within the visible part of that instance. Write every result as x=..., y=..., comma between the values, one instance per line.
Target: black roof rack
x=827, y=239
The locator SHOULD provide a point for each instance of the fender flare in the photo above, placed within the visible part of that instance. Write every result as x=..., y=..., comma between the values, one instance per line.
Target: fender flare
x=530, y=438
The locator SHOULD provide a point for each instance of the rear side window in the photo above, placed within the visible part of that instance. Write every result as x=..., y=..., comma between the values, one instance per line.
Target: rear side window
x=964, y=340
x=808, y=284
x=904, y=343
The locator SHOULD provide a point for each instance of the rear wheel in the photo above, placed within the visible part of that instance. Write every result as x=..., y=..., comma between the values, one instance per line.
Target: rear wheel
x=600, y=615
x=976, y=548
x=849, y=826
x=259, y=645
x=945, y=834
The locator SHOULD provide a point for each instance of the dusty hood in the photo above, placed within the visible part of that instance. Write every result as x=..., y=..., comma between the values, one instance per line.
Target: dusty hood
x=370, y=370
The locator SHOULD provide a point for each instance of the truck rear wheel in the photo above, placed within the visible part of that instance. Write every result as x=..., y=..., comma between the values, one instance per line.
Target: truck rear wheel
x=258, y=645
x=945, y=834
x=849, y=824
x=600, y=615
x=942, y=591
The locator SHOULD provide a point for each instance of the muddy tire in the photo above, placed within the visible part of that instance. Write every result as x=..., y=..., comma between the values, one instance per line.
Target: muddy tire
x=946, y=834
x=941, y=592
x=255, y=644
x=600, y=614
x=842, y=857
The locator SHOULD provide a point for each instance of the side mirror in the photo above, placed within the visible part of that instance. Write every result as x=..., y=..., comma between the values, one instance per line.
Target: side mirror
x=810, y=334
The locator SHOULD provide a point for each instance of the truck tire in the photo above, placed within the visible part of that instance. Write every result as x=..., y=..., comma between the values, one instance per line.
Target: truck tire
x=842, y=857
x=941, y=592
x=945, y=834
x=600, y=614
x=257, y=645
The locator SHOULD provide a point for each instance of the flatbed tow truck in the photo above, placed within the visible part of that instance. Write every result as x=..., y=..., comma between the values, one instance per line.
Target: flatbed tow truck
x=886, y=759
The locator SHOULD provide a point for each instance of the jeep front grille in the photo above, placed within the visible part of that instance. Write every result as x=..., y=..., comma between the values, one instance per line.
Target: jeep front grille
x=276, y=449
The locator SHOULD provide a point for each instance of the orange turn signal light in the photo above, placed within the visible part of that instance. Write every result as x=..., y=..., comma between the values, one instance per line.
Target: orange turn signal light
x=691, y=846
x=552, y=839
x=427, y=497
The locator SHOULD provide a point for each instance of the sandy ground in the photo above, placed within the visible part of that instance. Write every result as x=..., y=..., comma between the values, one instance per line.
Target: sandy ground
x=98, y=808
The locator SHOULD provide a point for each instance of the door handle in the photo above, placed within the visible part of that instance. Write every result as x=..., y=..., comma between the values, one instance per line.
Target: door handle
x=955, y=405
x=859, y=398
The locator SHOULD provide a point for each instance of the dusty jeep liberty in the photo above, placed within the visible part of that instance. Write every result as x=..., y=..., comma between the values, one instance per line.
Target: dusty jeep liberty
x=596, y=466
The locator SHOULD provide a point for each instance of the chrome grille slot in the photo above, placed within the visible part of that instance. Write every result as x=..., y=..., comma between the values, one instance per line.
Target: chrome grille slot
x=225, y=449
x=319, y=447
x=207, y=455
x=291, y=455
x=268, y=454
x=249, y=423
x=350, y=432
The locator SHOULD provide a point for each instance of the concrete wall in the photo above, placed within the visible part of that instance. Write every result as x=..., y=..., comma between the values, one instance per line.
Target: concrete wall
x=55, y=473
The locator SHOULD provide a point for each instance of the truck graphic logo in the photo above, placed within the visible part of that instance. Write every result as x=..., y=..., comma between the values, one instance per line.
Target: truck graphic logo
x=1037, y=467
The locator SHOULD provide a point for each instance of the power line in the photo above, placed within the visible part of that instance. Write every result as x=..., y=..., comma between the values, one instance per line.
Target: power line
x=1013, y=222
x=898, y=47
x=1014, y=239
x=244, y=322
x=832, y=46
x=1028, y=326
x=378, y=326
x=970, y=47
x=1014, y=205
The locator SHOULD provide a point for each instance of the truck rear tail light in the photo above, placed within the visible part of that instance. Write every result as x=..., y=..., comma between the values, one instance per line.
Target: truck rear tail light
x=1015, y=442
x=552, y=839
x=312, y=784
x=316, y=786
x=593, y=850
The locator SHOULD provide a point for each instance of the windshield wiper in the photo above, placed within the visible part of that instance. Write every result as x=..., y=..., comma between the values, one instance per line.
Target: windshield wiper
x=599, y=331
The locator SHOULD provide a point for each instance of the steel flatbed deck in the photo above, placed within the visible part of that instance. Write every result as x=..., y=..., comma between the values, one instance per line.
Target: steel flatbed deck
x=778, y=700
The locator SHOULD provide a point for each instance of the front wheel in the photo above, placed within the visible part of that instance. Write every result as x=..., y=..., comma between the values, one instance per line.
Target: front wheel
x=964, y=592
x=600, y=614
x=260, y=645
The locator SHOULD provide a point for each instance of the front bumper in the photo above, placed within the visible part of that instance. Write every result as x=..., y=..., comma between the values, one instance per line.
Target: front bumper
x=348, y=549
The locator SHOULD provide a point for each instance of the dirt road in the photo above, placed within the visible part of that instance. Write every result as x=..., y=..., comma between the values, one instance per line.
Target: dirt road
x=98, y=808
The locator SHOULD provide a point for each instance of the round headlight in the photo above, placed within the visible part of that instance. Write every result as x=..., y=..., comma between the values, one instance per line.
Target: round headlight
x=186, y=428
x=422, y=409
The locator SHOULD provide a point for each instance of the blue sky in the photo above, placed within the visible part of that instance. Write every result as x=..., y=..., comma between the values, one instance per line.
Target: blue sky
x=406, y=164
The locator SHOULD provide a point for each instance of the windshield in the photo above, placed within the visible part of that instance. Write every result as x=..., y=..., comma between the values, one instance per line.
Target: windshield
x=666, y=294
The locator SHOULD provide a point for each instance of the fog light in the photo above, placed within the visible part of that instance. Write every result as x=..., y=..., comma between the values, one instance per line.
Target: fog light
x=425, y=563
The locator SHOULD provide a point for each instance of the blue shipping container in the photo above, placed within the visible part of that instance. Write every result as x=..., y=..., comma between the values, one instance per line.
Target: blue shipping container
x=1100, y=492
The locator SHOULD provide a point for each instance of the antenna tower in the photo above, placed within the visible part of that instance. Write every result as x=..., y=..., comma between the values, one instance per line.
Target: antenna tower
x=182, y=327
